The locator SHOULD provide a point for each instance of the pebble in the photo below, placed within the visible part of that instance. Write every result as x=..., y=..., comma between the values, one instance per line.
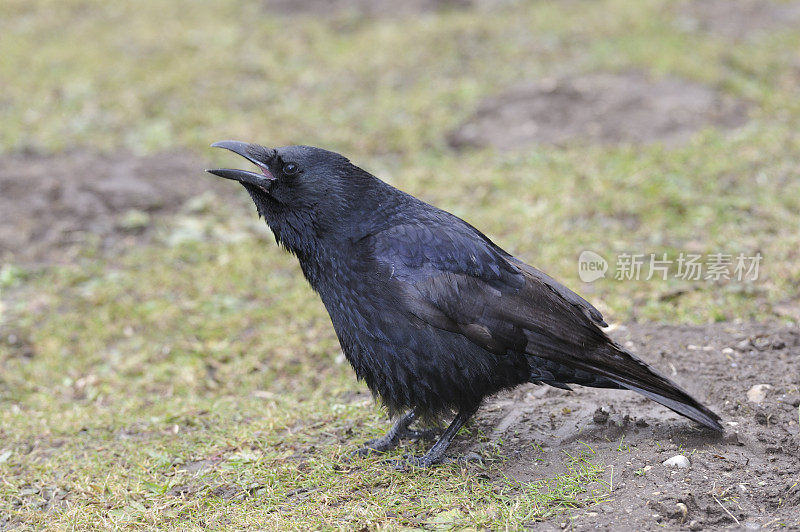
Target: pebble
x=683, y=510
x=679, y=461
x=761, y=343
x=692, y=347
x=758, y=393
x=744, y=345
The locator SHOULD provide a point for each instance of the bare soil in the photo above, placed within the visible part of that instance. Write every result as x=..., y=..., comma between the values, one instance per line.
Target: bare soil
x=738, y=19
x=51, y=206
x=627, y=107
x=748, y=477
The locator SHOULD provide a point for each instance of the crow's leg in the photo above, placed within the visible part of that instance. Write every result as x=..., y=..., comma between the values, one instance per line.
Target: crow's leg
x=436, y=453
x=390, y=440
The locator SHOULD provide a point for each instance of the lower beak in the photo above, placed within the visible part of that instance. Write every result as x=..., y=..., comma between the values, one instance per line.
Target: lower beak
x=245, y=177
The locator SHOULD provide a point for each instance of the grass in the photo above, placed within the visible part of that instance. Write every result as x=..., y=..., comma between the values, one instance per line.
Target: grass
x=200, y=384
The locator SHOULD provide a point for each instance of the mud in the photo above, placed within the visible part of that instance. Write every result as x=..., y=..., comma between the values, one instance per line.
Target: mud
x=599, y=108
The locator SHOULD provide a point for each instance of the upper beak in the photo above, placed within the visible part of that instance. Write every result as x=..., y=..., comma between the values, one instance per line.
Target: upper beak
x=261, y=181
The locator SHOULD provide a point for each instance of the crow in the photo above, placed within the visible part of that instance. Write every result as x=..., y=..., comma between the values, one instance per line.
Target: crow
x=429, y=312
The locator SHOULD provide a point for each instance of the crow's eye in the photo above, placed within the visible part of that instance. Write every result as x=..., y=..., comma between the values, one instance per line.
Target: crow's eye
x=290, y=169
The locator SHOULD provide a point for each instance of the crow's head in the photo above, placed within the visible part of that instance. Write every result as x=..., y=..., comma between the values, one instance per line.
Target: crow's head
x=301, y=191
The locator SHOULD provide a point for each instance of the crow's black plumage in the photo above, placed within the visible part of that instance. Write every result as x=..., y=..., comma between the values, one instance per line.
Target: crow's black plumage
x=430, y=312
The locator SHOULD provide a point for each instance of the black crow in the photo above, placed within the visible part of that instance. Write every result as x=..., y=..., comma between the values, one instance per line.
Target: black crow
x=429, y=312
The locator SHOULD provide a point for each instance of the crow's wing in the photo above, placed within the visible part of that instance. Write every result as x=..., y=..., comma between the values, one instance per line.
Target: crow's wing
x=450, y=276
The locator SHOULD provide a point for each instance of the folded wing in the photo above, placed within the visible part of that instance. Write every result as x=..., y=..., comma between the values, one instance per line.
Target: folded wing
x=452, y=277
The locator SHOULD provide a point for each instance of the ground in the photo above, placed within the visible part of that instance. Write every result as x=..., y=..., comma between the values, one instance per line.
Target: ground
x=164, y=365
x=626, y=107
x=86, y=199
x=747, y=476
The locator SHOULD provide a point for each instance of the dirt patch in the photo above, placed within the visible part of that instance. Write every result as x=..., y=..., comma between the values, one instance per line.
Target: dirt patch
x=50, y=206
x=374, y=8
x=606, y=108
x=738, y=19
x=751, y=474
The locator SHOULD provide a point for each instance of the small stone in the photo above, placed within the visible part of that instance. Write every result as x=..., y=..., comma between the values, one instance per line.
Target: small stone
x=727, y=351
x=744, y=345
x=679, y=461
x=692, y=347
x=761, y=343
x=683, y=510
x=758, y=393
x=694, y=524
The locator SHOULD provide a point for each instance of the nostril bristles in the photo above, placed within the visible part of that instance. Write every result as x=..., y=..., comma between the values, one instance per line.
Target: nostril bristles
x=261, y=153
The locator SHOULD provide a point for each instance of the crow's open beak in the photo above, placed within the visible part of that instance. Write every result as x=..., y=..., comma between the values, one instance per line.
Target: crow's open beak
x=261, y=180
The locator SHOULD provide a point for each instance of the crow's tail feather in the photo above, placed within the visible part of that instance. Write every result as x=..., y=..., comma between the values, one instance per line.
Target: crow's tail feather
x=610, y=366
x=544, y=371
x=689, y=408
x=629, y=372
